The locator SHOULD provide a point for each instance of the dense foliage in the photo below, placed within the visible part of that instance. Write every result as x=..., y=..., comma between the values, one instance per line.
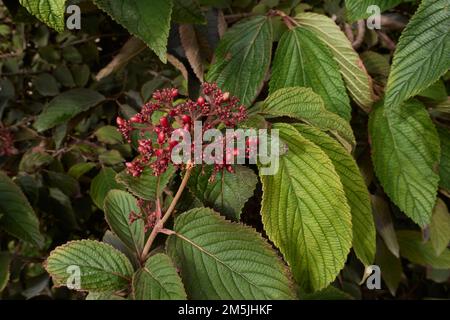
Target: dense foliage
x=88, y=187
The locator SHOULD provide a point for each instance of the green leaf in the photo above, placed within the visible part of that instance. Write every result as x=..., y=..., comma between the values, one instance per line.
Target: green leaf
x=103, y=296
x=51, y=12
x=144, y=186
x=391, y=267
x=187, y=11
x=243, y=58
x=357, y=9
x=364, y=241
x=413, y=248
x=440, y=227
x=66, y=183
x=422, y=54
x=303, y=60
x=228, y=192
x=33, y=159
x=102, y=268
x=110, y=157
x=444, y=167
x=436, y=92
x=405, y=153
x=5, y=261
x=108, y=135
x=18, y=217
x=303, y=104
x=219, y=259
x=158, y=280
x=118, y=206
x=329, y=293
x=358, y=82
x=148, y=20
x=79, y=169
x=384, y=224
x=66, y=106
x=104, y=182
x=46, y=85
x=305, y=212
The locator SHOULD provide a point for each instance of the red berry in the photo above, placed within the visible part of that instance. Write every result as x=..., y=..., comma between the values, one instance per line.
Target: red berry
x=158, y=152
x=172, y=113
x=134, y=119
x=173, y=143
x=186, y=119
x=161, y=137
x=235, y=152
x=174, y=93
x=120, y=121
x=201, y=101
x=164, y=122
x=225, y=96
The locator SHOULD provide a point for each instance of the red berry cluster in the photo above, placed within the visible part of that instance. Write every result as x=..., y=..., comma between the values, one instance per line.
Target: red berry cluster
x=214, y=108
x=7, y=143
x=147, y=214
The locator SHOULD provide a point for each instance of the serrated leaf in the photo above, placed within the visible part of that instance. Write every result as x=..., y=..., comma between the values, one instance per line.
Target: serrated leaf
x=191, y=46
x=242, y=58
x=303, y=104
x=352, y=69
x=444, y=165
x=440, y=227
x=223, y=260
x=18, y=217
x=303, y=60
x=5, y=261
x=422, y=54
x=364, y=240
x=158, y=280
x=405, y=153
x=103, y=296
x=228, y=192
x=305, y=212
x=187, y=11
x=357, y=9
x=148, y=20
x=104, y=182
x=51, y=12
x=66, y=106
x=102, y=268
x=109, y=135
x=79, y=169
x=413, y=248
x=144, y=186
x=117, y=206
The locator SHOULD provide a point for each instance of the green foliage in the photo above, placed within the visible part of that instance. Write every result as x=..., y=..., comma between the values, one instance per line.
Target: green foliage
x=358, y=9
x=50, y=12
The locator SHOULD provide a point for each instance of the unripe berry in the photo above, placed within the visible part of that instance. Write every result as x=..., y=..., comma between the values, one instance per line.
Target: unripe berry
x=186, y=119
x=161, y=137
x=201, y=101
x=134, y=119
x=120, y=121
x=225, y=96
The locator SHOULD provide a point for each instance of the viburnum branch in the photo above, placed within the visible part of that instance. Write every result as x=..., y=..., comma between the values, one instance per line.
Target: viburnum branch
x=159, y=226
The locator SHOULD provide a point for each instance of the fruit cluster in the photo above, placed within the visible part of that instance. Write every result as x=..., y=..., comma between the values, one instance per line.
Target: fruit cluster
x=7, y=142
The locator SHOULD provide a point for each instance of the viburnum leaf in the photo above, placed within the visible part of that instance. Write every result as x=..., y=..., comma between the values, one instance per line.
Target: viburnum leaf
x=305, y=212
x=228, y=192
x=17, y=216
x=391, y=266
x=329, y=293
x=422, y=54
x=103, y=182
x=117, y=206
x=101, y=267
x=51, y=12
x=66, y=106
x=405, y=153
x=148, y=20
x=303, y=60
x=357, y=9
x=357, y=80
x=187, y=11
x=158, y=280
x=413, y=248
x=145, y=185
x=219, y=259
x=440, y=227
x=444, y=165
x=243, y=58
x=303, y=104
x=364, y=241
x=384, y=224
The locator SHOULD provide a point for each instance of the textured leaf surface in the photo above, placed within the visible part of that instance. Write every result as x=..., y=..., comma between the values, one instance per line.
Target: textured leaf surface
x=227, y=193
x=422, y=54
x=305, y=212
x=355, y=189
x=118, y=206
x=148, y=20
x=444, y=166
x=103, y=183
x=51, y=12
x=303, y=104
x=18, y=217
x=352, y=68
x=187, y=11
x=413, y=248
x=303, y=60
x=384, y=224
x=405, y=153
x=440, y=227
x=145, y=186
x=102, y=268
x=357, y=9
x=223, y=260
x=243, y=58
x=158, y=280
x=66, y=106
